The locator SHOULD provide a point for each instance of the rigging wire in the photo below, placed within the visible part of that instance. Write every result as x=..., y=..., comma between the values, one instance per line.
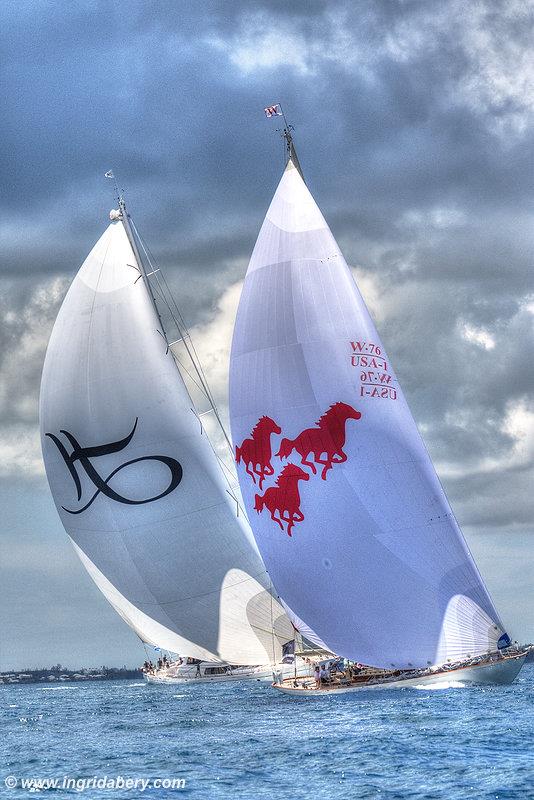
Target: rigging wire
x=183, y=329
x=179, y=321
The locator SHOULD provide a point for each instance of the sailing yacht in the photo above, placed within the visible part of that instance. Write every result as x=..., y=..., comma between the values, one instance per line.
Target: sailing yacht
x=136, y=482
x=193, y=670
x=347, y=510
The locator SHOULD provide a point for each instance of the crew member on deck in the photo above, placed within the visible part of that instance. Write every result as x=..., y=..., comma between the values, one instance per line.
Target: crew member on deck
x=317, y=677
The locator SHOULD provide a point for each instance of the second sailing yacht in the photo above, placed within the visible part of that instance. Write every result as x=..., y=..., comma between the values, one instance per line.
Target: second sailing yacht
x=136, y=482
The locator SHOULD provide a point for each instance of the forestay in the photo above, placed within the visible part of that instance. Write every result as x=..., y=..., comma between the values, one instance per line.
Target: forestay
x=135, y=480
x=347, y=510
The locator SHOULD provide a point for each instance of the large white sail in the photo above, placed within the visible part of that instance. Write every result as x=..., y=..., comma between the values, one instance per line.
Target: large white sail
x=347, y=510
x=136, y=483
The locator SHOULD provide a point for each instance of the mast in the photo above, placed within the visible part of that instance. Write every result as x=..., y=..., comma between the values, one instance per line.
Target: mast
x=291, y=153
x=125, y=218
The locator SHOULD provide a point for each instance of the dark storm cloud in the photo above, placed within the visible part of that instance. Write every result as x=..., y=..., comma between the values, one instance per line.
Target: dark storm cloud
x=149, y=93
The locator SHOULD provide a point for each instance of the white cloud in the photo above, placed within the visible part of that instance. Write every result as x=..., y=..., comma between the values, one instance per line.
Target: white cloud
x=519, y=424
x=501, y=78
x=478, y=336
x=20, y=451
x=497, y=78
x=438, y=217
x=213, y=341
x=256, y=48
x=259, y=46
x=374, y=297
x=25, y=334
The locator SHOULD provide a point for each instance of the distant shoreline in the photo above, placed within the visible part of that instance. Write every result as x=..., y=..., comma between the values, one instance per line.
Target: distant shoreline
x=58, y=674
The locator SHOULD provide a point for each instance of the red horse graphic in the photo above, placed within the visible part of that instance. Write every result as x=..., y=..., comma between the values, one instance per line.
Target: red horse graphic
x=327, y=438
x=256, y=452
x=284, y=497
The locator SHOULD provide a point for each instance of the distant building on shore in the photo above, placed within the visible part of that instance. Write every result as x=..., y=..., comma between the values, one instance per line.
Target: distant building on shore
x=58, y=673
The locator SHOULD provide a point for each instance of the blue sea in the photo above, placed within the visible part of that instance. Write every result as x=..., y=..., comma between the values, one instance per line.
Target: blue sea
x=248, y=741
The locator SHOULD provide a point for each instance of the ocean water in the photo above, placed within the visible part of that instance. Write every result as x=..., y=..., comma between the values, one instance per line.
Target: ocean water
x=248, y=741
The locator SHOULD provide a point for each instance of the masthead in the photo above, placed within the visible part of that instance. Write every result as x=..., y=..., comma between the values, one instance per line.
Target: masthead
x=276, y=110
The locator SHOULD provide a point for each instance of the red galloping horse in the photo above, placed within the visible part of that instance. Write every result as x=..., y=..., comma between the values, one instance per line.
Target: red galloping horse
x=256, y=452
x=327, y=438
x=284, y=497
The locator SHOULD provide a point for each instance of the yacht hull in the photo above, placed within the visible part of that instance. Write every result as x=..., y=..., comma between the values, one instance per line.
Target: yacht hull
x=259, y=673
x=501, y=672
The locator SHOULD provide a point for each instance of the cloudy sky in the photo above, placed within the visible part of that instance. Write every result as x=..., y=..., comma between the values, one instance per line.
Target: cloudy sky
x=415, y=128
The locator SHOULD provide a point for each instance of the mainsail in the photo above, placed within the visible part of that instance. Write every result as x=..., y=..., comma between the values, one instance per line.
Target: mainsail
x=349, y=515
x=135, y=480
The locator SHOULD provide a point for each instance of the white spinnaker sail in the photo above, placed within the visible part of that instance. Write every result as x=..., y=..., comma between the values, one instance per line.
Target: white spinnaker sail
x=136, y=483
x=375, y=562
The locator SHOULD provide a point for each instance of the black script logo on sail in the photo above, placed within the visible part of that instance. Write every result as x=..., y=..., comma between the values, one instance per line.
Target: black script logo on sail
x=83, y=455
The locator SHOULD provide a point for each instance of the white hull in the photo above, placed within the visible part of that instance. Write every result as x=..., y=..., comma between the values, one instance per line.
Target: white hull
x=489, y=673
x=260, y=673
